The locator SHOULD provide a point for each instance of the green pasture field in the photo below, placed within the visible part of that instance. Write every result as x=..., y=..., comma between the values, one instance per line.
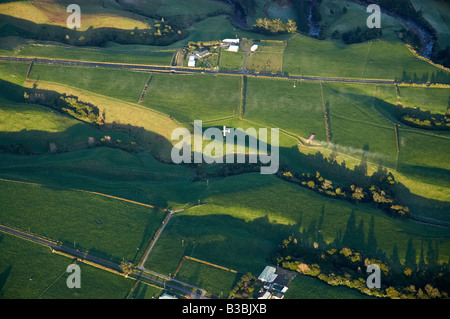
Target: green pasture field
x=132, y=54
x=307, y=287
x=356, y=126
x=193, y=97
x=106, y=227
x=35, y=126
x=14, y=72
x=121, y=84
x=32, y=271
x=218, y=239
x=215, y=281
x=138, y=177
x=275, y=103
x=268, y=58
x=379, y=59
x=424, y=149
x=334, y=19
x=231, y=61
x=241, y=220
x=433, y=99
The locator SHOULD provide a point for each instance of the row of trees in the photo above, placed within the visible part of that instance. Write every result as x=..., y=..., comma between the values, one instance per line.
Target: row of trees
x=245, y=288
x=379, y=193
x=275, y=26
x=346, y=266
x=438, y=77
x=359, y=35
x=68, y=104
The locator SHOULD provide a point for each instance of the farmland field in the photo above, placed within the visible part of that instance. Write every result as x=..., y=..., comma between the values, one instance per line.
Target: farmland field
x=87, y=151
x=382, y=60
x=101, y=219
x=45, y=277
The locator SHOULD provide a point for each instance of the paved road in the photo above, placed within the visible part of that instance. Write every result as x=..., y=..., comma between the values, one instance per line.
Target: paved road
x=185, y=70
x=167, y=282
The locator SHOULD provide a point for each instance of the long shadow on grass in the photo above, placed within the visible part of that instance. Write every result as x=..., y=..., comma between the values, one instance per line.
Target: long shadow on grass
x=91, y=37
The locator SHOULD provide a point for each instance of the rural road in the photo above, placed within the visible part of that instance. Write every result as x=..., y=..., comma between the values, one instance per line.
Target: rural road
x=142, y=67
x=167, y=282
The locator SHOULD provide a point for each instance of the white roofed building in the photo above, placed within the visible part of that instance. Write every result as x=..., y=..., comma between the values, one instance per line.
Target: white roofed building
x=268, y=274
x=191, y=62
x=229, y=41
x=233, y=48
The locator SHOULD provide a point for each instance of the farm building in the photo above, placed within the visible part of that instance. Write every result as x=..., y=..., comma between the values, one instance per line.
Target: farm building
x=191, y=62
x=230, y=41
x=167, y=296
x=201, y=54
x=254, y=48
x=275, y=286
x=233, y=48
x=268, y=274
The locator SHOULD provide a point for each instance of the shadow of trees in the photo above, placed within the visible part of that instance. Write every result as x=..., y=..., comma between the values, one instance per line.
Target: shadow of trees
x=91, y=37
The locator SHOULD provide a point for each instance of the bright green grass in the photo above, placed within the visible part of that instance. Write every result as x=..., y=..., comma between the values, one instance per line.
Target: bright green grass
x=356, y=126
x=106, y=227
x=193, y=97
x=306, y=287
x=215, y=281
x=279, y=104
x=35, y=126
x=422, y=148
x=14, y=72
x=242, y=219
x=32, y=271
x=120, y=84
x=231, y=61
x=132, y=54
x=383, y=60
x=435, y=100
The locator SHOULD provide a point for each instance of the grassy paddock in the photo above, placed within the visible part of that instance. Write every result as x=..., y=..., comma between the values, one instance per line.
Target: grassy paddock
x=217, y=282
x=193, y=97
x=31, y=271
x=379, y=59
x=110, y=228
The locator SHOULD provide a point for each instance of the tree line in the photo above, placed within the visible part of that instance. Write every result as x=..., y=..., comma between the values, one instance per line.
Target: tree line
x=274, y=26
x=340, y=265
x=380, y=192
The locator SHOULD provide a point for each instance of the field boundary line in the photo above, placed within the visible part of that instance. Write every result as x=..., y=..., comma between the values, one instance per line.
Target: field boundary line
x=90, y=192
x=326, y=116
x=149, y=109
x=90, y=263
x=155, y=238
x=118, y=198
x=210, y=264
x=367, y=59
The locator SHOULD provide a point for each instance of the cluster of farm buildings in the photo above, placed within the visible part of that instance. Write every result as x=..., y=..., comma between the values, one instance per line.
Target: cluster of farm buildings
x=231, y=45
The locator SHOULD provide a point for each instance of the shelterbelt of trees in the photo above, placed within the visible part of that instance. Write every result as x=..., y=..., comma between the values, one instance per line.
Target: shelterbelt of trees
x=338, y=265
